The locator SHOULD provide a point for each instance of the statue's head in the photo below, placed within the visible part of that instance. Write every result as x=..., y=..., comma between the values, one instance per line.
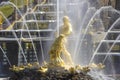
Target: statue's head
x=62, y=36
x=66, y=19
x=60, y=39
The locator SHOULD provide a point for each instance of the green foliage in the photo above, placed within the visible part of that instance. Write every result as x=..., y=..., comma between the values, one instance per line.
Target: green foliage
x=7, y=10
x=21, y=3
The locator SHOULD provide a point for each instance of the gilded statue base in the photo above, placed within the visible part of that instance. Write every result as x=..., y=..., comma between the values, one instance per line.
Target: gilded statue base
x=51, y=72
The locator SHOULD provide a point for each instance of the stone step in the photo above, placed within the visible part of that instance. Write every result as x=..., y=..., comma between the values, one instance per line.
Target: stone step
x=35, y=24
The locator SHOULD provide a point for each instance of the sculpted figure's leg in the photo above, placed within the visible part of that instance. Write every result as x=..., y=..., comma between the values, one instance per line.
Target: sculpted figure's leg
x=67, y=56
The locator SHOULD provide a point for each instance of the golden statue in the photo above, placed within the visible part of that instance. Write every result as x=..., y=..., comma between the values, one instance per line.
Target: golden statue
x=66, y=28
x=58, y=48
x=56, y=51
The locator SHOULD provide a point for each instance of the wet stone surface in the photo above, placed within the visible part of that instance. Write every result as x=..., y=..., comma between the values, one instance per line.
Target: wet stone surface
x=50, y=74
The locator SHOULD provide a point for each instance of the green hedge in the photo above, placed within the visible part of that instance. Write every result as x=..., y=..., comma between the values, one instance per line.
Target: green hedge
x=21, y=3
x=7, y=10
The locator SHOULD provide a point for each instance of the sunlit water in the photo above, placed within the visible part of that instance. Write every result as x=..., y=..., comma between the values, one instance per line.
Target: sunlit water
x=89, y=32
x=91, y=25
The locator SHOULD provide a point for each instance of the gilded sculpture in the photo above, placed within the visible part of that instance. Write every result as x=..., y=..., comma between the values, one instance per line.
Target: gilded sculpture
x=58, y=48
